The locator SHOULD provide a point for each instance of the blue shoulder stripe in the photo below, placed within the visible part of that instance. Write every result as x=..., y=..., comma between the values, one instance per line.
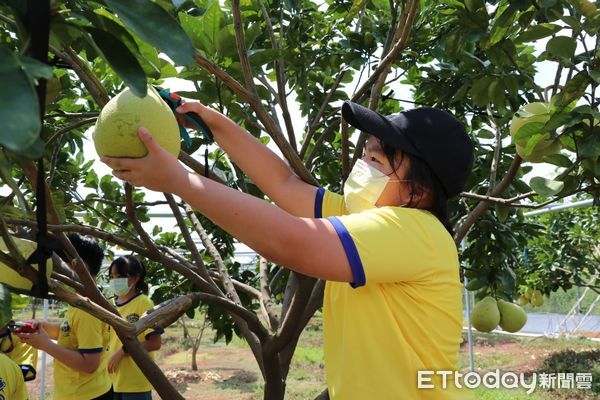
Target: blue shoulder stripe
x=358, y=271
x=86, y=351
x=319, y=202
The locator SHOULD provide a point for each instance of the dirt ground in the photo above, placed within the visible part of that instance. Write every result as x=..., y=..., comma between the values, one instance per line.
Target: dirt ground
x=228, y=372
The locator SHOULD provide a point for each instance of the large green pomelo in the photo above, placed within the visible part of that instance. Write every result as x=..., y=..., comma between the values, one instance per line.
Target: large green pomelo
x=485, y=316
x=537, y=298
x=12, y=278
x=116, y=133
x=512, y=317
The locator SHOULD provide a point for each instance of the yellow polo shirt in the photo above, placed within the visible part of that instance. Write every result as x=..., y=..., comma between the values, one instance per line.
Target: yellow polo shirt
x=403, y=312
x=12, y=384
x=80, y=331
x=128, y=377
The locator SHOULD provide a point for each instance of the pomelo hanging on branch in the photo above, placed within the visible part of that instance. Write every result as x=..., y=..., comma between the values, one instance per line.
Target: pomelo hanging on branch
x=485, y=316
x=528, y=135
x=116, y=131
x=512, y=317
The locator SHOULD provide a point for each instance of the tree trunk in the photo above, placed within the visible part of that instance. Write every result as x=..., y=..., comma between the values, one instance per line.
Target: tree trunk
x=148, y=367
x=186, y=333
x=274, y=382
x=194, y=363
x=196, y=344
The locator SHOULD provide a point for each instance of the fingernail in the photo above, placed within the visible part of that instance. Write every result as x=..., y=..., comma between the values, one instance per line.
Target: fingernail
x=179, y=109
x=144, y=134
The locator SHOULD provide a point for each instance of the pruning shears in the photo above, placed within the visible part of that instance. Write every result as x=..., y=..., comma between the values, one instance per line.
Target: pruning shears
x=173, y=100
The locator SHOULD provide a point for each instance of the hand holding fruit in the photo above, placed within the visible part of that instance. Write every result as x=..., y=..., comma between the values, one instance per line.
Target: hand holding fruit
x=159, y=170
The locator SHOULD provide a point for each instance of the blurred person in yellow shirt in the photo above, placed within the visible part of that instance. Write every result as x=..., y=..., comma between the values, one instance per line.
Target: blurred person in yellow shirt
x=81, y=349
x=127, y=283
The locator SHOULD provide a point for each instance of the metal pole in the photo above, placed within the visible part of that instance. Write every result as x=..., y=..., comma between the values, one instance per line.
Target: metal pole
x=556, y=207
x=43, y=369
x=469, y=326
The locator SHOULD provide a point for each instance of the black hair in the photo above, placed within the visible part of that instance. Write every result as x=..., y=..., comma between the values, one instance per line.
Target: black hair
x=89, y=250
x=129, y=265
x=421, y=178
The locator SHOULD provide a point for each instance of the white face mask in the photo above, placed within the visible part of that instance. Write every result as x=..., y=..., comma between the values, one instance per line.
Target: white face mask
x=119, y=286
x=364, y=186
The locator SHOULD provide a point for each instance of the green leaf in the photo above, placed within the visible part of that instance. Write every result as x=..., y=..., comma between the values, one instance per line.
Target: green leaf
x=121, y=60
x=502, y=212
x=527, y=130
x=155, y=26
x=545, y=187
x=573, y=90
x=559, y=160
x=502, y=24
x=485, y=134
x=263, y=56
x=508, y=279
x=496, y=93
x=226, y=42
x=479, y=90
x=19, y=108
x=356, y=7
x=590, y=145
x=476, y=284
x=537, y=32
x=561, y=46
x=193, y=26
x=35, y=68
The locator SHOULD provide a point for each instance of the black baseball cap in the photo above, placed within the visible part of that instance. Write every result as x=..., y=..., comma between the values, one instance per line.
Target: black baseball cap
x=433, y=135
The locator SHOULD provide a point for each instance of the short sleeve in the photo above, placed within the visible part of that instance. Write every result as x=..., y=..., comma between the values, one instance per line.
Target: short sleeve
x=21, y=388
x=393, y=244
x=144, y=305
x=89, y=333
x=329, y=204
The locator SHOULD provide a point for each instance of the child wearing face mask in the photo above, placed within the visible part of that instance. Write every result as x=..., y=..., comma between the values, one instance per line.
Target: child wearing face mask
x=392, y=302
x=127, y=285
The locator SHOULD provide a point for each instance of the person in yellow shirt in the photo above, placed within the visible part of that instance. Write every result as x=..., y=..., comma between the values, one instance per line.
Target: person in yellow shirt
x=81, y=349
x=12, y=384
x=127, y=283
x=392, y=305
x=23, y=355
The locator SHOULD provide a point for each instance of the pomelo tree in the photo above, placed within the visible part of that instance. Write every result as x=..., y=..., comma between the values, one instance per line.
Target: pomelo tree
x=60, y=62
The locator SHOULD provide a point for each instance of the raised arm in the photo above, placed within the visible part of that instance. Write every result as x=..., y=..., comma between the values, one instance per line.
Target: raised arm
x=306, y=245
x=268, y=171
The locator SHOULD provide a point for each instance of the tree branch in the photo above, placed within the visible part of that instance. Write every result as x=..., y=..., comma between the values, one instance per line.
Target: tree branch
x=377, y=79
x=200, y=267
x=270, y=126
x=265, y=297
x=214, y=253
x=478, y=211
x=317, y=119
x=279, y=76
